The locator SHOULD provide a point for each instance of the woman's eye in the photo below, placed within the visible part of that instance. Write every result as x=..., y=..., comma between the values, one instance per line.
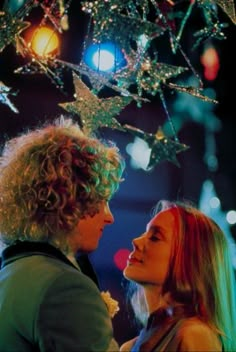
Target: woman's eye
x=154, y=239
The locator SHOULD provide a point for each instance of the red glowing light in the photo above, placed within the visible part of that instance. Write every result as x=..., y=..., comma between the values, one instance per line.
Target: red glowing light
x=120, y=258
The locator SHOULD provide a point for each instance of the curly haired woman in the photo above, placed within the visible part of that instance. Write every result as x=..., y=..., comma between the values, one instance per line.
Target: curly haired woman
x=55, y=187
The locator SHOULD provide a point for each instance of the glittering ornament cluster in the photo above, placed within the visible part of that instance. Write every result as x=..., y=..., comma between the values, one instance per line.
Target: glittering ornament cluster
x=139, y=29
x=10, y=29
x=162, y=147
x=95, y=112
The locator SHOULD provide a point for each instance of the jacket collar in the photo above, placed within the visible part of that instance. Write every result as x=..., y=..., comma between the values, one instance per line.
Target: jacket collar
x=22, y=249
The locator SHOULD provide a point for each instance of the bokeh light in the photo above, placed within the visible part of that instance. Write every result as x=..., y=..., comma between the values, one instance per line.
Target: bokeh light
x=120, y=258
x=214, y=202
x=105, y=57
x=211, y=63
x=231, y=217
x=44, y=42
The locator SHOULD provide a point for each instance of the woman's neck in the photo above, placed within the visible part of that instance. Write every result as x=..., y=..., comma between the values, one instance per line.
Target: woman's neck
x=155, y=298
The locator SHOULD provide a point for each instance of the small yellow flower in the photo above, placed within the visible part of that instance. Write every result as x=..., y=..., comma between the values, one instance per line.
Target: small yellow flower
x=112, y=304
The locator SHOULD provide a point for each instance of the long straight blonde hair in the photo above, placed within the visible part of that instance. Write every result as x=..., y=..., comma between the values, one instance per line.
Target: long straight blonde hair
x=201, y=271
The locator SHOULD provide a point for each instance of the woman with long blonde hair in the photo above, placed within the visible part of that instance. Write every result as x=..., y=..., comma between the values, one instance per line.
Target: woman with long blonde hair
x=185, y=283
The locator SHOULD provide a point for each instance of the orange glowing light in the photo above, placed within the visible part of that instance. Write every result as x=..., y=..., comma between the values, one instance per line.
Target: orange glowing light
x=211, y=63
x=44, y=42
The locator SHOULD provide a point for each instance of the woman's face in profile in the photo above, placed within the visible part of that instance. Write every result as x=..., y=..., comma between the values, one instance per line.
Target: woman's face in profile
x=149, y=261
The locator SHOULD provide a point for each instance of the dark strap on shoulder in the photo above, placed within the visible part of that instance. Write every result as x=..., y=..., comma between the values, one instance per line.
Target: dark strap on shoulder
x=167, y=337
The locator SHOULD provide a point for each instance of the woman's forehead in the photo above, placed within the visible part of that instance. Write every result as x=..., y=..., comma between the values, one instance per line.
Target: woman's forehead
x=164, y=217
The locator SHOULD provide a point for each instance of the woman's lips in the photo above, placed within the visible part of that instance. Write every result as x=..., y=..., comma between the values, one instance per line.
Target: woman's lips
x=133, y=260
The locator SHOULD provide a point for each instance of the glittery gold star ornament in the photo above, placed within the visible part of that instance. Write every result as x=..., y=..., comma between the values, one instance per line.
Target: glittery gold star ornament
x=121, y=21
x=228, y=7
x=10, y=28
x=95, y=112
x=162, y=147
x=126, y=29
x=147, y=75
x=213, y=28
x=127, y=75
x=188, y=107
x=98, y=79
x=153, y=73
x=195, y=92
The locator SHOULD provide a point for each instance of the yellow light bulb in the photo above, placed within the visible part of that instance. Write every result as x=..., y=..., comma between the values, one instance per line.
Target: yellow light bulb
x=44, y=42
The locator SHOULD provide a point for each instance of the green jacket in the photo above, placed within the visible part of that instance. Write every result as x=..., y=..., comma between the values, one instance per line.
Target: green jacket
x=48, y=305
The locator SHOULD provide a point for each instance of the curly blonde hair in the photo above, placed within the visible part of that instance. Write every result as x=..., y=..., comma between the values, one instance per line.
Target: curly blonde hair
x=52, y=177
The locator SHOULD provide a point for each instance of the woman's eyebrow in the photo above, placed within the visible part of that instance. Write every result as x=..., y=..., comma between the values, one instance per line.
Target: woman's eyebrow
x=154, y=229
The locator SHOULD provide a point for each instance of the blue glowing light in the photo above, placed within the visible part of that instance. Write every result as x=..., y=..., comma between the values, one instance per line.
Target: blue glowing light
x=104, y=57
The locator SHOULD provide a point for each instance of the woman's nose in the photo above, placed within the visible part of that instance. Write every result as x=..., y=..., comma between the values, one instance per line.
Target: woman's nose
x=138, y=243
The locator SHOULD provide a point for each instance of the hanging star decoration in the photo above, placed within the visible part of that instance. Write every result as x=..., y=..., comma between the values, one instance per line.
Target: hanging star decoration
x=4, y=92
x=213, y=28
x=95, y=112
x=228, y=7
x=126, y=29
x=194, y=91
x=148, y=75
x=136, y=26
x=127, y=75
x=162, y=147
x=48, y=67
x=188, y=108
x=113, y=21
x=99, y=79
x=10, y=29
x=153, y=73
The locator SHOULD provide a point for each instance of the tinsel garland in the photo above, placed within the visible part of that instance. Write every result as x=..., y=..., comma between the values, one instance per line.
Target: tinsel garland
x=136, y=27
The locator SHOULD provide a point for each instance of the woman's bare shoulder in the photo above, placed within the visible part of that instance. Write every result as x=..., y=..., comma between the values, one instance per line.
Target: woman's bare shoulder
x=126, y=346
x=195, y=325
x=195, y=335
